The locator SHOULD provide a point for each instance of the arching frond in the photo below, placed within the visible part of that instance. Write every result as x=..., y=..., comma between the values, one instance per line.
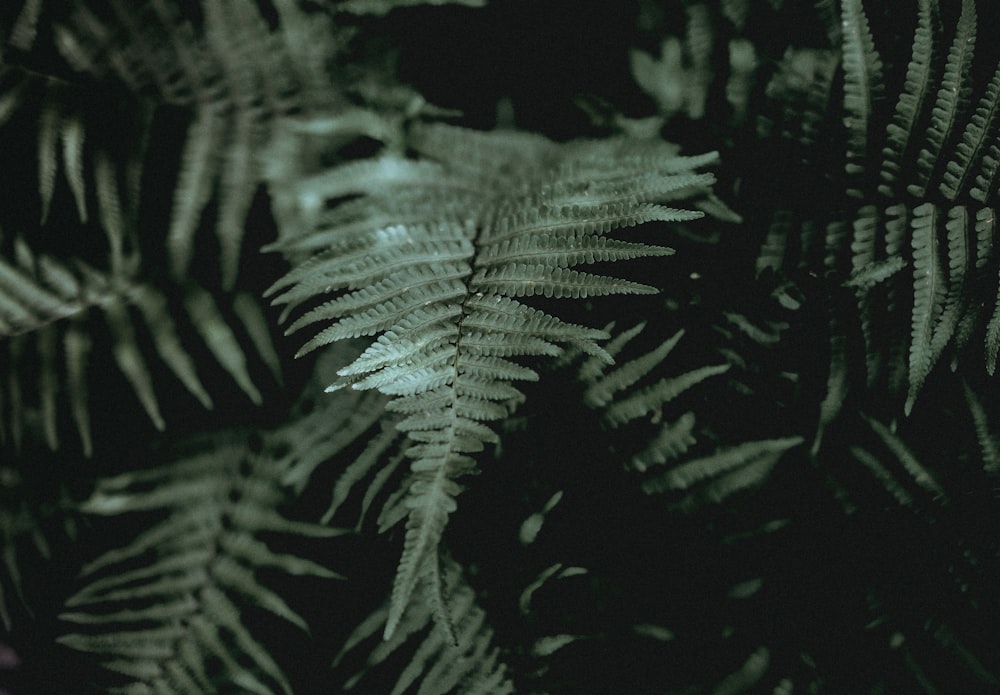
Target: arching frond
x=443, y=297
x=239, y=77
x=165, y=610
x=25, y=28
x=54, y=305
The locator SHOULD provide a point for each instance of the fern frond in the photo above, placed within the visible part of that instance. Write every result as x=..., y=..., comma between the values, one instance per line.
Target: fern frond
x=921, y=75
x=191, y=589
x=882, y=475
x=993, y=336
x=51, y=302
x=605, y=383
x=521, y=280
x=986, y=181
x=550, y=248
x=12, y=95
x=952, y=99
x=662, y=77
x=165, y=609
x=199, y=168
x=22, y=34
x=934, y=98
x=836, y=388
x=748, y=674
x=442, y=297
x=69, y=146
x=679, y=78
x=38, y=291
x=799, y=93
x=941, y=289
x=219, y=338
x=863, y=250
x=321, y=437
x=743, y=64
x=980, y=133
x=698, y=42
x=240, y=78
x=369, y=459
x=862, y=88
x=960, y=258
x=602, y=391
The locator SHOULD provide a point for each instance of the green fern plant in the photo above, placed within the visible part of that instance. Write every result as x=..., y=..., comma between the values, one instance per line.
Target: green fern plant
x=238, y=77
x=913, y=142
x=441, y=286
x=649, y=418
x=670, y=503
x=916, y=194
x=166, y=610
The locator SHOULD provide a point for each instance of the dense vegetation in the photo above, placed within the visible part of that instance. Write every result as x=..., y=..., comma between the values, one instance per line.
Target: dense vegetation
x=497, y=346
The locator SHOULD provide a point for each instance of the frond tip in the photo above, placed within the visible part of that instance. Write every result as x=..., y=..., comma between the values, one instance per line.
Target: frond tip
x=465, y=661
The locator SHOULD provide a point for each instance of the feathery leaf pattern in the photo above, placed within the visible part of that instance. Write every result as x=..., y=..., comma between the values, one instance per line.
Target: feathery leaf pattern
x=442, y=296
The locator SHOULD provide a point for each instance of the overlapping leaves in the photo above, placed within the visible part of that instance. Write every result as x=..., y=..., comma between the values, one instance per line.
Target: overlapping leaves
x=433, y=256
x=50, y=303
x=167, y=610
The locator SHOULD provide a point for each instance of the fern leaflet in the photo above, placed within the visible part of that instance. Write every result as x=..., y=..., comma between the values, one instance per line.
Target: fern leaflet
x=862, y=87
